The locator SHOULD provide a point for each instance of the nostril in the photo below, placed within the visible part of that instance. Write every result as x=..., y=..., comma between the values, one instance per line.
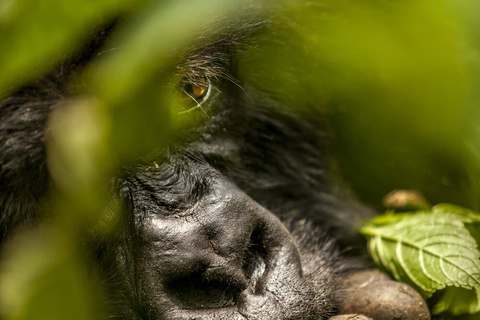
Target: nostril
x=215, y=287
x=232, y=276
x=254, y=265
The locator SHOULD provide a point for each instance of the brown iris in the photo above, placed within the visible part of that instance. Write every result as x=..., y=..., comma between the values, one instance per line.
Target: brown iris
x=197, y=90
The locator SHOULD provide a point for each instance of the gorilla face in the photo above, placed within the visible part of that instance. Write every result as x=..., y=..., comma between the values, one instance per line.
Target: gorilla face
x=205, y=249
x=238, y=219
x=207, y=239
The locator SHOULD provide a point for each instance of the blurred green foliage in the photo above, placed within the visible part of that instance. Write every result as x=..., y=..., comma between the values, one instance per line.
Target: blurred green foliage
x=397, y=81
x=44, y=278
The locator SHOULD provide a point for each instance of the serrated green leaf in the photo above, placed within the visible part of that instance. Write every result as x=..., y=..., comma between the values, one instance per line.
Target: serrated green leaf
x=431, y=251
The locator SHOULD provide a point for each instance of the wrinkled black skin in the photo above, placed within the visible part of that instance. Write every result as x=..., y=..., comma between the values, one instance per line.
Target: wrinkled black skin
x=242, y=222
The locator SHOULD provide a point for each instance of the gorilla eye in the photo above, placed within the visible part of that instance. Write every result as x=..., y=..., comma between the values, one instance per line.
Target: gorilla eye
x=196, y=90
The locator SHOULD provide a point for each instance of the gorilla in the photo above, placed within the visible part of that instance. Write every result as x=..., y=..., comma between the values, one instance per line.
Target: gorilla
x=238, y=218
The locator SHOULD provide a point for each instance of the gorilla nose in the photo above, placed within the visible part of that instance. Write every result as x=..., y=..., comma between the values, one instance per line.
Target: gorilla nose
x=206, y=259
x=221, y=253
x=194, y=263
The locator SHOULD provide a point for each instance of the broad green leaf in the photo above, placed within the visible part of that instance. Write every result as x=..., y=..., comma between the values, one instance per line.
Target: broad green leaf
x=431, y=251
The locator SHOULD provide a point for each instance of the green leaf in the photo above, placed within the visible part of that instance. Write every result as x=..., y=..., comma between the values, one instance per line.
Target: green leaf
x=469, y=215
x=430, y=251
x=34, y=35
x=457, y=301
x=44, y=279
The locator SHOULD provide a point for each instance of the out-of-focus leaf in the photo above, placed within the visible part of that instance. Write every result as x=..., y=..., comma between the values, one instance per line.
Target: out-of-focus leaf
x=431, y=251
x=395, y=79
x=137, y=78
x=42, y=279
x=458, y=301
x=34, y=35
x=469, y=215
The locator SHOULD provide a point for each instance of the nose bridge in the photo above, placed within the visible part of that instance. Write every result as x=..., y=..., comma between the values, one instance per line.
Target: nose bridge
x=215, y=232
x=227, y=217
x=240, y=222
